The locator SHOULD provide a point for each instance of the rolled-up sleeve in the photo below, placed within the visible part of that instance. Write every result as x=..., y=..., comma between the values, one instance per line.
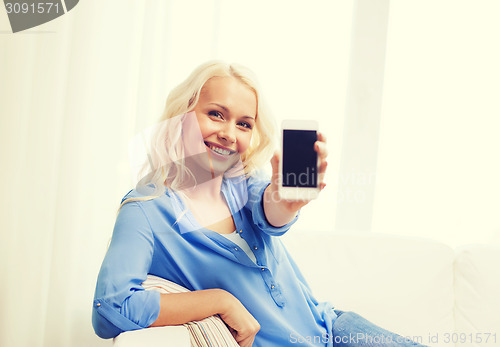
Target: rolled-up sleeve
x=120, y=302
x=256, y=187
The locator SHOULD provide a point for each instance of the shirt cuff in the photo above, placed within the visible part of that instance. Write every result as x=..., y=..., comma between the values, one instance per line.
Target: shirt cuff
x=138, y=311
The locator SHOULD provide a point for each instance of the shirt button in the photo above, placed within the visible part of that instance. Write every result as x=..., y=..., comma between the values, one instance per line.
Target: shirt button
x=272, y=287
x=98, y=305
x=241, y=231
x=263, y=269
x=255, y=247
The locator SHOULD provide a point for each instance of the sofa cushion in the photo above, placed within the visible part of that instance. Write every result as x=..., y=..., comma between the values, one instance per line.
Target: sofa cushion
x=402, y=284
x=477, y=293
x=177, y=336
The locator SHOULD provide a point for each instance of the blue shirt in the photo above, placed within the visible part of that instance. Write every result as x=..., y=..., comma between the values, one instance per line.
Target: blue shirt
x=156, y=237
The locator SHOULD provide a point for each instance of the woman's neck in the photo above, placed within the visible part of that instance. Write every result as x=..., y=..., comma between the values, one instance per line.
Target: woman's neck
x=209, y=207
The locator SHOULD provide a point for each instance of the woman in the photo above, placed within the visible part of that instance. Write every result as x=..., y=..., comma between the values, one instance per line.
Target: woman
x=203, y=219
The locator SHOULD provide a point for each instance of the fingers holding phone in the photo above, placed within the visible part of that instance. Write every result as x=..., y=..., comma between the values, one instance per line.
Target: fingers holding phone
x=321, y=149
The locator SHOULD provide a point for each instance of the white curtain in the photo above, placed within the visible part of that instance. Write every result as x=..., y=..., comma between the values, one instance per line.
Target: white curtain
x=75, y=91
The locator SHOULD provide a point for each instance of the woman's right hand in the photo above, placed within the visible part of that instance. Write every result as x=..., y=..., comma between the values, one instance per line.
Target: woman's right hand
x=241, y=323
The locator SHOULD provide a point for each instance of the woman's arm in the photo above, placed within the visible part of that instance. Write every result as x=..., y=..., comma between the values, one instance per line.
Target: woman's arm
x=277, y=214
x=180, y=308
x=120, y=301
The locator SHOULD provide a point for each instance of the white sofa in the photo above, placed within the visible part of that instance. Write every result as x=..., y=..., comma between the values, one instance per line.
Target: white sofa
x=416, y=287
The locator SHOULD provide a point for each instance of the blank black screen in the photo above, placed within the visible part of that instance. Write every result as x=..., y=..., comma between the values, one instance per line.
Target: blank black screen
x=299, y=158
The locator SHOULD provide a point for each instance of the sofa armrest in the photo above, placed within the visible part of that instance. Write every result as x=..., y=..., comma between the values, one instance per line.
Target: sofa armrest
x=170, y=336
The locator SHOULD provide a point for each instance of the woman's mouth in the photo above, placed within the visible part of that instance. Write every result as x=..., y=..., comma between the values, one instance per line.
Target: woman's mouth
x=219, y=150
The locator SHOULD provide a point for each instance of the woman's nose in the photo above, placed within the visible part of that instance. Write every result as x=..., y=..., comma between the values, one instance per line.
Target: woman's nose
x=228, y=133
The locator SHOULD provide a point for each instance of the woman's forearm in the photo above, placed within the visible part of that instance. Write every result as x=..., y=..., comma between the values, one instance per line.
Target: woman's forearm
x=180, y=308
x=277, y=213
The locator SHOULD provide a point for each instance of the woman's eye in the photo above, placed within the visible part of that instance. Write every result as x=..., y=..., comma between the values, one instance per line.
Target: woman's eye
x=245, y=125
x=215, y=114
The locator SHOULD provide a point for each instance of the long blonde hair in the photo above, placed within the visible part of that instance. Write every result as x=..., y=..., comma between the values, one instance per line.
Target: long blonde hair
x=165, y=165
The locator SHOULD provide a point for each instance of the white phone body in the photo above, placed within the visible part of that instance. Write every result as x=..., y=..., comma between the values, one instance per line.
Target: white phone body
x=298, y=169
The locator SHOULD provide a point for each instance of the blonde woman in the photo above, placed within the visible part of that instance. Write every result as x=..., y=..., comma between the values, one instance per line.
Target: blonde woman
x=203, y=218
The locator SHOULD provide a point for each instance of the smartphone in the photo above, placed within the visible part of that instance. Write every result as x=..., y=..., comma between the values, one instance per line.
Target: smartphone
x=299, y=161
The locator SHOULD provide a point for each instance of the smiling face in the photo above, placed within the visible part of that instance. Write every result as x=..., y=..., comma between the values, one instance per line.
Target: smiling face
x=226, y=112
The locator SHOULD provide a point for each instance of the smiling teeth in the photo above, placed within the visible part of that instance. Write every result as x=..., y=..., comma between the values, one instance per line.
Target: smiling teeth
x=220, y=150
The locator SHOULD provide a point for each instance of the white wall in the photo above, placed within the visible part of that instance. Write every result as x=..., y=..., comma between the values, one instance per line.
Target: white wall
x=438, y=166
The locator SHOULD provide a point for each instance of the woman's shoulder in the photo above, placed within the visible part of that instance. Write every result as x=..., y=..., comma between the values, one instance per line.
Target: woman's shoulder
x=155, y=208
x=148, y=196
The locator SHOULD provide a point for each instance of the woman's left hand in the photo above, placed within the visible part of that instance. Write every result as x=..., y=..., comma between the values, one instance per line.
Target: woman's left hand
x=279, y=211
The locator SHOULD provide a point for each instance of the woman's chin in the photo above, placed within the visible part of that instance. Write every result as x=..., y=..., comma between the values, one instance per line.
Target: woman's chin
x=221, y=166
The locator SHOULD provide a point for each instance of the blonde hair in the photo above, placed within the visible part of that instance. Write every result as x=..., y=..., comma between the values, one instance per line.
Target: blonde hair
x=165, y=164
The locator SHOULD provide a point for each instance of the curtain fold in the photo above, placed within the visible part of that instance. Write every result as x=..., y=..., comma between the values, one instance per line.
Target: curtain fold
x=70, y=102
